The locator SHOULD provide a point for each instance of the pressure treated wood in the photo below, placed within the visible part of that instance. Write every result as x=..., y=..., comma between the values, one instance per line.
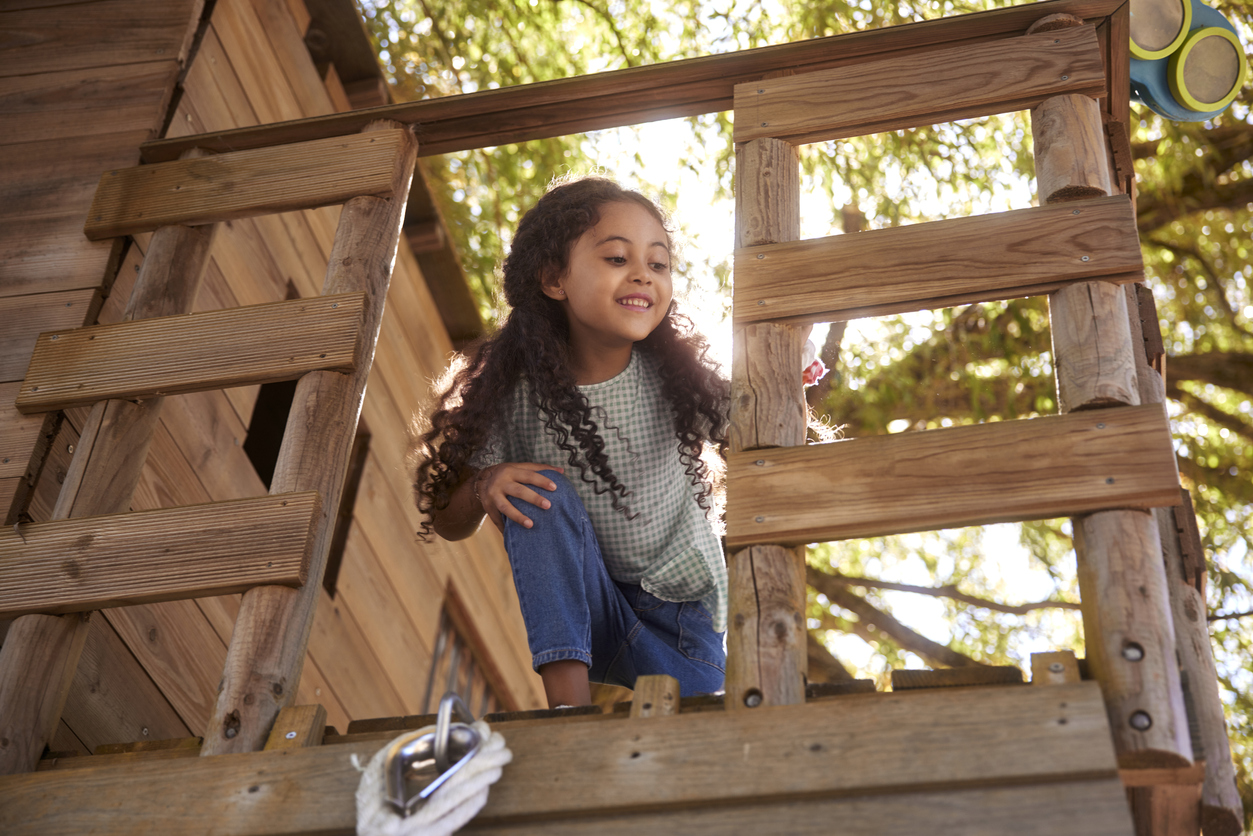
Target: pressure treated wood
x=1069, y=136
x=630, y=96
x=245, y=183
x=195, y=352
x=972, y=475
x=938, y=264
x=995, y=737
x=92, y=563
x=267, y=649
x=1092, y=347
x=941, y=85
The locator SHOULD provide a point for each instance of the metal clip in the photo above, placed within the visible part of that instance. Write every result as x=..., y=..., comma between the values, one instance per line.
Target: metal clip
x=445, y=750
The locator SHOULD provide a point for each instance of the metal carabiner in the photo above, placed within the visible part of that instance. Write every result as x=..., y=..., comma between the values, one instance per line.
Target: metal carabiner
x=419, y=751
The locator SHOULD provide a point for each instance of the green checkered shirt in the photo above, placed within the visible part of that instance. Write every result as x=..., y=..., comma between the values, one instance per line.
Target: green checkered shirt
x=670, y=549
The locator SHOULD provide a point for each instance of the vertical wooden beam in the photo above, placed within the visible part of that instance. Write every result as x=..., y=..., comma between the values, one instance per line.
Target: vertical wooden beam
x=655, y=696
x=766, y=649
x=40, y=652
x=1126, y=613
x=267, y=650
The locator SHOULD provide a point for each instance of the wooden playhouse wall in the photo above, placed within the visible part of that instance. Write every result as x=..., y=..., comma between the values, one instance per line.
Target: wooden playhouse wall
x=81, y=86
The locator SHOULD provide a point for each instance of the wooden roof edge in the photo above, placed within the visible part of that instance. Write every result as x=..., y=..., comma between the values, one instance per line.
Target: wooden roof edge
x=667, y=90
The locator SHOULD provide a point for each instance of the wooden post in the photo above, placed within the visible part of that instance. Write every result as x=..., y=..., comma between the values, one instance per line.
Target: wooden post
x=267, y=651
x=1126, y=613
x=40, y=652
x=1222, y=811
x=766, y=649
x=655, y=696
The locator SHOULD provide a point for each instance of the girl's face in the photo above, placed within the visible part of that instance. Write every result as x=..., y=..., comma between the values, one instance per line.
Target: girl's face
x=617, y=288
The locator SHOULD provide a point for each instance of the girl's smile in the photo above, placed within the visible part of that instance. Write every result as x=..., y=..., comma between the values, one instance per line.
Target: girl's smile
x=616, y=290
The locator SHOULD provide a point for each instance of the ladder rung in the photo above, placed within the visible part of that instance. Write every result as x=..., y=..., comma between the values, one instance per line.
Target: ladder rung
x=924, y=88
x=196, y=352
x=90, y=563
x=938, y=264
x=973, y=475
x=240, y=184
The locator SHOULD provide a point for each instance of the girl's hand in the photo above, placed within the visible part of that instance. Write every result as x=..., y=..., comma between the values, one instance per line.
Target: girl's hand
x=494, y=485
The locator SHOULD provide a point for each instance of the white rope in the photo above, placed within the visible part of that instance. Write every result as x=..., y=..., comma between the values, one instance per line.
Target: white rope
x=448, y=809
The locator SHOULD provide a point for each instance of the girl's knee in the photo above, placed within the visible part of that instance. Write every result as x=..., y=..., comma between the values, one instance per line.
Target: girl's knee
x=565, y=501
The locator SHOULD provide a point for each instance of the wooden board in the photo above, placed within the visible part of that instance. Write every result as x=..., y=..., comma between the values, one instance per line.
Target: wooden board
x=631, y=96
x=50, y=254
x=73, y=103
x=90, y=563
x=99, y=34
x=18, y=433
x=941, y=85
x=244, y=183
x=930, y=265
x=994, y=737
x=213, y=350
x=26, y=317
x=1005, y=471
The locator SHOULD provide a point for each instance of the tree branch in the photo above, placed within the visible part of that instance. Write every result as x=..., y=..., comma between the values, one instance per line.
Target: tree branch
x=1207, y=410
x=1223, y=616
x=1231, y=370
x=950, y=591
x=872, y=616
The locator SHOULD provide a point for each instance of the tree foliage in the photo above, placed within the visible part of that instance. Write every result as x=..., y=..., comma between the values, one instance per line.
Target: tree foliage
x=976, y=363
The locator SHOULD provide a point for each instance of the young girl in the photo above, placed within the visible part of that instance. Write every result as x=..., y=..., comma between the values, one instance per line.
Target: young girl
x=578, y=429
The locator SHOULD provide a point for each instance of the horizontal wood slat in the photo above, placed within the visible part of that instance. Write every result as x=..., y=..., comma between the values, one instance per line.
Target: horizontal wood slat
x=629, y=96
x=938, y=264
x=240, y=184
x=960, y=82
x=197, y=352
x=974, y=475
x=194, y=551
x=992, y=737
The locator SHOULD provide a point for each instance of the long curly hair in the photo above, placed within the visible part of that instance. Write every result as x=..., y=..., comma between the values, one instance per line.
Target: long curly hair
x=533, y=345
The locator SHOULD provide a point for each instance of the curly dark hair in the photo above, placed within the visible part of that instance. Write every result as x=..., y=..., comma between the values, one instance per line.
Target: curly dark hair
x=533, y=345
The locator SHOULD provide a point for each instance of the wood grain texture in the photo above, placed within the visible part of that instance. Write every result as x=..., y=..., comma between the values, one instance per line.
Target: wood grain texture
x=1054, y=668
x=18, y=433
x=1093, y=354
x=1130, y=637
x=961, y=82
x=25, y=317
x=630, y=96
x=1070, y=149
x=148, y=358
x=655, y=696
x=296, y=727
x=91, y=563
x=245, y=183
x=972, y=475
x=1222, y=810
x=929, y=265
x=268, y=645
x=766, y=648
x=995, y=737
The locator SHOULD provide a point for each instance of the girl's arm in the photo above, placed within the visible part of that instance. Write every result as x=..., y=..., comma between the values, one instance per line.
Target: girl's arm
x=487, y=491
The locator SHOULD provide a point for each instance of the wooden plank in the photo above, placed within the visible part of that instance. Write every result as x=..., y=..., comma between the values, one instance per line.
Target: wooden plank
x=18, y=433
x=655, y=696
x=630, y=96
x=100, y=34
x=995, y=737
x=899, y=269
x=244, y=183
x=50, y=254
x=1089, y=808
x=1054, y=668
x=114, y=760
x=253, y=60
x=147, y=358
x=8, y=492
x=103, y=100
x=1005, y=471
x=942, y=85
x=112, y=699
x=90, y=563
x=298, y=726
x=26, y=317
x=149, y=745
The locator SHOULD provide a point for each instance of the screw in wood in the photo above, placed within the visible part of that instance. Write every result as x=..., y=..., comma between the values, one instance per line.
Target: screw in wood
x=761, y=519
x=1065, y=78
x=761, y=462
x=1141, y=721
x=752, y=698
x=1133, y=652
x=291, y=735
x=1056, y=667
x=1086, y=258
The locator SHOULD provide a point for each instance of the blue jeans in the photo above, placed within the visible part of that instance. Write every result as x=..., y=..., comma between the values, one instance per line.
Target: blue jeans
x=574, y=610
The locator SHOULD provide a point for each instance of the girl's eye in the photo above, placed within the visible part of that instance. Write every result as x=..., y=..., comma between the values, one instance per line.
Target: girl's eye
x=616, y=259
x=657, y=265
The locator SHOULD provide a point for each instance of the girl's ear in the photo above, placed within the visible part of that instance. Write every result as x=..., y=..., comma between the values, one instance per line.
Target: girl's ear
x=552, y=286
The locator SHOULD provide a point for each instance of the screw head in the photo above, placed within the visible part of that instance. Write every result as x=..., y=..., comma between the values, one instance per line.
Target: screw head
x=1065, y=78
x=761, y=519
x=760, y=302
x=1109, y=480
x=1133, y=652
x=1056, y=667
x=1140, y=721
x=761, y=462
x=1075, y=212
x=760, y=256
x=144, y=731
x=291, y=735
x=1086, y=258
x=1100, y=426
x=753, y=698
x=55, y=337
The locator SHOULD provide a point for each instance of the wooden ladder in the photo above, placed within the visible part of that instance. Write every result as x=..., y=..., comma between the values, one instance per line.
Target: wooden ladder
x=1107, y=461
x=93, y=554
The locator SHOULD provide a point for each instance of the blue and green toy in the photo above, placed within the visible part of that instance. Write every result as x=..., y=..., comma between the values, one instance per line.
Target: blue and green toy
x=1187, y=62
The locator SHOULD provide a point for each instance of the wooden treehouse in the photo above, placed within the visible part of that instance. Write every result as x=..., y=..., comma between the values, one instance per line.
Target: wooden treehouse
x=204, y=201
